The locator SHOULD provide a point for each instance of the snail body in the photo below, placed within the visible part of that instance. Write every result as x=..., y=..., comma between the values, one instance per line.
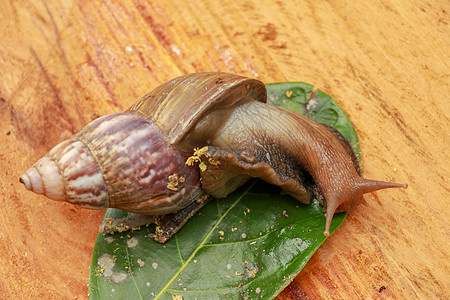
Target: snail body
x=143, y=160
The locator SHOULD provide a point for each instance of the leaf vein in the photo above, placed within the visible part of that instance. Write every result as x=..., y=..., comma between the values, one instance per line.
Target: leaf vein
x=178, y=249
x=218, y=208
x=131, y=273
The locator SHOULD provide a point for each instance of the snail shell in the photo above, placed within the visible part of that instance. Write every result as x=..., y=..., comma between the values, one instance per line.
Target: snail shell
x=136, y=160
x=132, y=160
x=110, y=163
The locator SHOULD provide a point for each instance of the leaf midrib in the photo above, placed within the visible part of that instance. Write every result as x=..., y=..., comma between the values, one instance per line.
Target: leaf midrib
x=203, y=241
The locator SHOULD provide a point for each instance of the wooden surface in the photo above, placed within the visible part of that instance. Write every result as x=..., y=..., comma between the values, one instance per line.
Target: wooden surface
x=387, y=63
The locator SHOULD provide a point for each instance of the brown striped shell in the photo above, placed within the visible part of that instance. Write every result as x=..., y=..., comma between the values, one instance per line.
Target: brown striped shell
x=120, y=161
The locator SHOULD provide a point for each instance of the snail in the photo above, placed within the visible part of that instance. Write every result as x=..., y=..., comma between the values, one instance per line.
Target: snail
x=198, y=136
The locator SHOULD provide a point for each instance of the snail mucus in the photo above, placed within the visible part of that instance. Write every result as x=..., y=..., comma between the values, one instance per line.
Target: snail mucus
x=198, y=136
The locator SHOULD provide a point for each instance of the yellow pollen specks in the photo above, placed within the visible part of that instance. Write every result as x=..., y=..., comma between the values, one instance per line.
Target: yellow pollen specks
x=174, y=181
x=191, y=160
x=289, y=94
x=110, y=226
x=214, y=162
x=197, y=158
x=100, y=271
x=200, y=152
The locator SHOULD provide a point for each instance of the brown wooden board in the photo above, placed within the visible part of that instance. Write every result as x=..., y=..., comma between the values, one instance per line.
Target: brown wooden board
x=64, y=63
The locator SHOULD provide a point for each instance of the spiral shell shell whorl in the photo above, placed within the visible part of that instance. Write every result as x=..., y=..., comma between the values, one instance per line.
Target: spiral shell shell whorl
x=68, y=173
x=119, y=160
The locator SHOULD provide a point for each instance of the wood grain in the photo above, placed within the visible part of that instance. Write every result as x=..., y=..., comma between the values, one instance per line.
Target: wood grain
x=387, y=63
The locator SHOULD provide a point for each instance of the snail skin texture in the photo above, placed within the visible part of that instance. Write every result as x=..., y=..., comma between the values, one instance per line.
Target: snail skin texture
x=143, y=160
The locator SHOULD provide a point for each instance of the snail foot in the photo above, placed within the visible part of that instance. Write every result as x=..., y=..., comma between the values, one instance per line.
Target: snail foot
x=166, y=225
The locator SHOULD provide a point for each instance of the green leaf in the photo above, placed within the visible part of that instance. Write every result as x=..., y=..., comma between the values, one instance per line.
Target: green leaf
x=248, y=245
